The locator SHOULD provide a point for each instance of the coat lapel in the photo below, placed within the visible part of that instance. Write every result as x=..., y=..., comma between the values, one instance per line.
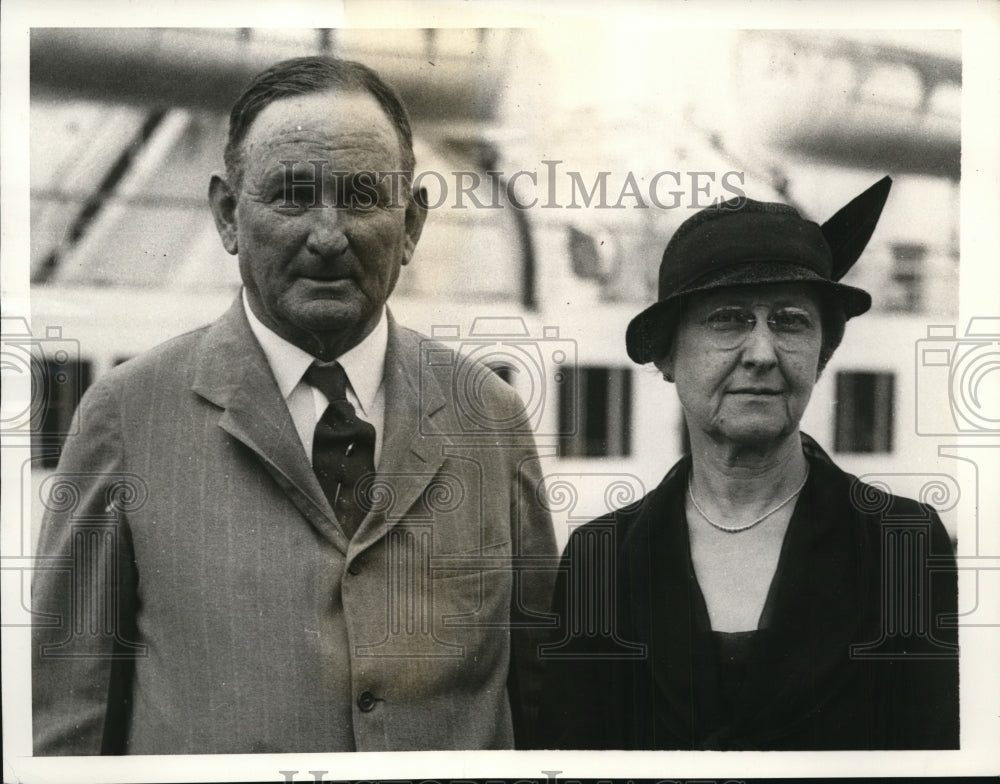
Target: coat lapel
x=232, y=373
x=815, y=608
x=672, y=615
x=413, y=442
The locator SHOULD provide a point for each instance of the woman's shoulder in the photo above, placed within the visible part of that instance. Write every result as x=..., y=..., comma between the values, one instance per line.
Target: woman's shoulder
x=637, y=514
x=872, y=503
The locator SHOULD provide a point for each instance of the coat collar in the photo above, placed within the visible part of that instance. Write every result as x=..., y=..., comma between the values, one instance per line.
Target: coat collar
x=814, y=606
x=232, y=373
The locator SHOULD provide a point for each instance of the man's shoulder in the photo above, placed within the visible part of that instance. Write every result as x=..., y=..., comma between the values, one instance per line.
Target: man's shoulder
x=162, y=364
x=131, y=395
x=464, y=378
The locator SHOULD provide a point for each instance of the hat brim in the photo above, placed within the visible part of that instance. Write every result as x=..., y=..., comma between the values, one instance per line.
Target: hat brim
x=644, y=331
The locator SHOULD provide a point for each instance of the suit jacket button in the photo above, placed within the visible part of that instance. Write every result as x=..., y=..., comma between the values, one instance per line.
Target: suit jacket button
x=366, y=701
x=354, y=568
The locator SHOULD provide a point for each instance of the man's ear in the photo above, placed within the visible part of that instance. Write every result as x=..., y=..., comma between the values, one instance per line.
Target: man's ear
x=416, y=214
x=222, y=200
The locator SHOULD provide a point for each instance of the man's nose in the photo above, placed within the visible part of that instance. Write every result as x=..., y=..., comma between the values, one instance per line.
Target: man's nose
x=326, y=231
x=759, y=347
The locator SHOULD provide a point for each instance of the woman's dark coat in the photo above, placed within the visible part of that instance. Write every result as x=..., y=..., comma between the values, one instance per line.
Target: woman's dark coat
x=857, y=650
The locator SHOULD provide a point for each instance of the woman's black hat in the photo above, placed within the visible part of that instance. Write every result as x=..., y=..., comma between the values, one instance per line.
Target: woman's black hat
x=742, y=241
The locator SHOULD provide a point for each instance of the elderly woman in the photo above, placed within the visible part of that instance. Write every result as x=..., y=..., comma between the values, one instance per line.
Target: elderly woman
x=755, y=599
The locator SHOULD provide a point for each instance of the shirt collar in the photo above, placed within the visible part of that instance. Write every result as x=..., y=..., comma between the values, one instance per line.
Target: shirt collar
x=364, y=364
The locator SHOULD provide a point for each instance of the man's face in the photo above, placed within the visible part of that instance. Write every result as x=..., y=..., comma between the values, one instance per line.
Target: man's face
x=318, y=275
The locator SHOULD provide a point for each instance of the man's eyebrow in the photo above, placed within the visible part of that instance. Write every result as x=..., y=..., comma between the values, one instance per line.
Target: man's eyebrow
x=271, y=174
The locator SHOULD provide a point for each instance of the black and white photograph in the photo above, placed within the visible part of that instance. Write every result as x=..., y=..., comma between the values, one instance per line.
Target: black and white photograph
x=438, y=391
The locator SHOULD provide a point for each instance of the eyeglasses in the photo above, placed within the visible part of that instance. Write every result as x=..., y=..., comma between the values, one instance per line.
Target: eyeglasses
x=792, y=328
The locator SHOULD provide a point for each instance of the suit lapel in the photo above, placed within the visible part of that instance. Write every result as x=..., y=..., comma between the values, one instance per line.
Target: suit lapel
x=413, y=442
x=232, y=373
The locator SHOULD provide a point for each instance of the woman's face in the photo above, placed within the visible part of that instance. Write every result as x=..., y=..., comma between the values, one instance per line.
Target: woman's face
x=745, y=359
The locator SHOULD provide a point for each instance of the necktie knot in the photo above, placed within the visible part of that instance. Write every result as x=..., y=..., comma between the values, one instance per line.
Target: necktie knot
x=329, y=378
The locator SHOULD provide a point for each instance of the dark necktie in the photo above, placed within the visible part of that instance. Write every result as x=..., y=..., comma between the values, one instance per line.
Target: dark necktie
x=343, y=446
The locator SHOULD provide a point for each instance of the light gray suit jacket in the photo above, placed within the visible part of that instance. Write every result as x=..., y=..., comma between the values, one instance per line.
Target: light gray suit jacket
x=196, y=593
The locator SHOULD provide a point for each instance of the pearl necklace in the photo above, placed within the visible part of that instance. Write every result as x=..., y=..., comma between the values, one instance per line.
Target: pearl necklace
x=750, y=525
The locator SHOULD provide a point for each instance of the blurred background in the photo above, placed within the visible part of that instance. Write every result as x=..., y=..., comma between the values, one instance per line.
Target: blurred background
x=612, y=136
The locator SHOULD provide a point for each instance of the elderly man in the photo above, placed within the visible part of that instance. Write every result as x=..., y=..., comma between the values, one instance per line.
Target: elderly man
x=231, y=574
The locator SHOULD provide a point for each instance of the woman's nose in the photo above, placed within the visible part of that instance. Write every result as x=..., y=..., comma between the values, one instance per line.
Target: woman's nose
x=759, y=347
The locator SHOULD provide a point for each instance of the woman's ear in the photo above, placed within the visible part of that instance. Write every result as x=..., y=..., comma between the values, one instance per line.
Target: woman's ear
x=666, y=367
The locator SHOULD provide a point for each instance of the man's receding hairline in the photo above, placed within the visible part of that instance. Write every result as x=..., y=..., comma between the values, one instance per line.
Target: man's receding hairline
x=341, y=90
x=390, y=126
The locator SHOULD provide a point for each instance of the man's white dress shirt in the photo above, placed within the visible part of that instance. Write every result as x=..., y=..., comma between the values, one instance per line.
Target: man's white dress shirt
x=364, y=365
